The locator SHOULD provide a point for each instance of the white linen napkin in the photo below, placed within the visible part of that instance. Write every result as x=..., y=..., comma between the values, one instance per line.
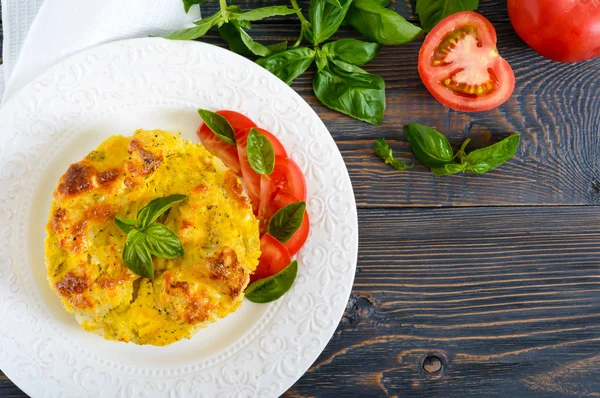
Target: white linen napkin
x=40, y=33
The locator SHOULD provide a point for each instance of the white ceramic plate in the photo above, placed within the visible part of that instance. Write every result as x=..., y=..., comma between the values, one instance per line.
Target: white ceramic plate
x=260, y=350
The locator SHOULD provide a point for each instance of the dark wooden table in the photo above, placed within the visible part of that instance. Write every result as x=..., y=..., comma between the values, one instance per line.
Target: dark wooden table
x=468, y=286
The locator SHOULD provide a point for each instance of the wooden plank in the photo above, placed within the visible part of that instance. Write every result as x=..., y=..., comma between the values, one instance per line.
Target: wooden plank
x=507, y=298
x=555, y=106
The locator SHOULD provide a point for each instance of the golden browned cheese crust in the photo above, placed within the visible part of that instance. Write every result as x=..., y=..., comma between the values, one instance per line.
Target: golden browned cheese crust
x=215, y=224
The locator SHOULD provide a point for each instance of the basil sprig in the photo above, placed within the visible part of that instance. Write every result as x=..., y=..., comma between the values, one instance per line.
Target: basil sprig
x=261, y=155
x=383, y=150
x=232, y=24
x=218, y=125
x=286, y=221
x=271, y=288
x=433, y=150
x=433, y=11
x=147, y=238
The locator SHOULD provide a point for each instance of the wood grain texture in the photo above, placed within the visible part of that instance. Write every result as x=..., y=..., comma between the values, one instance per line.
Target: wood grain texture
x=507, y=298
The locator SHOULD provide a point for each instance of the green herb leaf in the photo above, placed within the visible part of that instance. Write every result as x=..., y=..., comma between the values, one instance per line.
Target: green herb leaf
x=325, y=19
x=156, y=208
x=353, y=51
x=218, y=125
x=265, y=12
x=240, y=42
x=201, y=28
x=187, y=4
x=381, y=24
x=383, y=150
x=162, y=242
x=137, y=256
x=261, y=155
x=321, y=60
x=486, y=159
x=348, y=89
x=447, y=169
x=273, y=287
x=125, y=224
x=286, y=221
x=429, y=146
x=433, y=11
x=289, y=64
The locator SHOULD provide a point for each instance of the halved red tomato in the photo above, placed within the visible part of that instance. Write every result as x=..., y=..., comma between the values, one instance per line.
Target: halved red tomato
x=226, y=152
x=296, y=242
x=251, y=177
x=286, y=178
x=274, y=257
x=461, y=67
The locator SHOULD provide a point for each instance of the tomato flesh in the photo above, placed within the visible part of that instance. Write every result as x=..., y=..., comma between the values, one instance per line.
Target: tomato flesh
x=460, y=66
x=274, y=258
x=562, y=30
x=252, y=178
x=228, y=153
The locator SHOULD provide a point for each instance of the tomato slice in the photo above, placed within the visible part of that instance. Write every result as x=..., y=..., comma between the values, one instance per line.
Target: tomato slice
x=274, y=257
x=226, y=152
x=460, y=66
x=287, y=178
x=293, y=245
x=252, y=178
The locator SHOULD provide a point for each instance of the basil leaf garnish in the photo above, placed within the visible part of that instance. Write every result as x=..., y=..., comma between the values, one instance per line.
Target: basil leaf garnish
x=187, y=4
x=125, y=224
x=156, y=208
x=325, y=19
x=137, y=256
x=286, y=221
x=349, y=89
x=265, y=12
x=218, y=125
x=273, y=287
x=381, y=24
x=261, y=155
x=353, y=51
x=429, y=146
x=433, y=11
x=486, y=159
x=289, y=64
x=162, y=242
x=383, y=150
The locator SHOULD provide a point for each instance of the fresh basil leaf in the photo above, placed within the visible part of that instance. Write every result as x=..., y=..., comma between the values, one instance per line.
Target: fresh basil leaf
x=381, y=24
x=289, y=64
x=321, y=60
x=264, y=12
x=201, y=28
x=156, y=208
x=353, y=51
x=486, y=159
x=429, y=146
x=447, y=169
x=261, y=155
x=137, y=256
x=162, y=242
x=218, y=125
x=281, y=46
x=125, y=224
x=273, y=287
x=383, y=150
x=187, y=4
x=240, y=42
x=383, y=3
x=325, y=19
x=433, y=11
x=348, y=89
x=286, y=221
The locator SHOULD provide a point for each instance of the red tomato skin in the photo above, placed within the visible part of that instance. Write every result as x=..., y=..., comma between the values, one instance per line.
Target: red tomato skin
x=226, y=152
x=250, y=177
x=562, y=30
x=274, y=257
x=501, y=68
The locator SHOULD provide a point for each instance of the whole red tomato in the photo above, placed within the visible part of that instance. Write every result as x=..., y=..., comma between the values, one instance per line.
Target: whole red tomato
x=562, y=30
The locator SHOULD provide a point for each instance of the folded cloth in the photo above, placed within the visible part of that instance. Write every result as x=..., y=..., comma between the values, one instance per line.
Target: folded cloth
x=40, y=33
